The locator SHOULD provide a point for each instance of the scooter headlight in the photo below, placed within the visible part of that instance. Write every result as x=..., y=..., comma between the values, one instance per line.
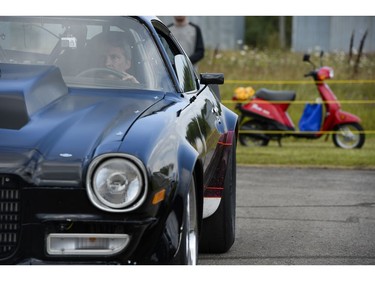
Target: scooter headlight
x=116, y=184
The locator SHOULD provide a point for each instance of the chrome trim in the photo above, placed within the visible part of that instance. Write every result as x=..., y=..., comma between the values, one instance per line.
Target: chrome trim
x=91, y=194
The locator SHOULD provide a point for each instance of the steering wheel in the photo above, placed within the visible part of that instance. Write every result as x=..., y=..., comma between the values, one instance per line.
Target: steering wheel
x=91, y=72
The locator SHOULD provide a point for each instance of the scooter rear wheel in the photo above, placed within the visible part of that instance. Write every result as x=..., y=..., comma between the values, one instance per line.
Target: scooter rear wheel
x=253, y=139
x=349, y=136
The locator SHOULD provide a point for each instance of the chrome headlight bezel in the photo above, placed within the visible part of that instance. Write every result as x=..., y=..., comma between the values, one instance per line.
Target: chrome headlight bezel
x=139, y=192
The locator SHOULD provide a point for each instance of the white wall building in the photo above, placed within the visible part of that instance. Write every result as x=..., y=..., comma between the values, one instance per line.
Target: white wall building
x=332, y=33
x=328, y=33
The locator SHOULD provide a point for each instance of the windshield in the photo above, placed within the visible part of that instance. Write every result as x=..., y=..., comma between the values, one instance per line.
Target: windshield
x=101, y=52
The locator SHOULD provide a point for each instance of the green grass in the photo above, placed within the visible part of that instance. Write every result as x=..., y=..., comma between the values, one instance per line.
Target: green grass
x=309, y=153
x=282, y=70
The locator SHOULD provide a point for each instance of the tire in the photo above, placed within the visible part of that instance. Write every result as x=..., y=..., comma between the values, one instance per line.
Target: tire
x=349, y=136
x=218, y=230
x=188, y=250
x=256, y=139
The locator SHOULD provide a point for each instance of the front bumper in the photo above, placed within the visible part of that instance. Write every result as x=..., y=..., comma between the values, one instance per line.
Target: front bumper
x=32, y=220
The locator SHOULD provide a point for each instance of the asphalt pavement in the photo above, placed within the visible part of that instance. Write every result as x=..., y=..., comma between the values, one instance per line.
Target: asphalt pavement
x=302, y=216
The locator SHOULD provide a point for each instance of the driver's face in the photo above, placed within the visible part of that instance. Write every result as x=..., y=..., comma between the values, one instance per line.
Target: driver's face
x=116, y=60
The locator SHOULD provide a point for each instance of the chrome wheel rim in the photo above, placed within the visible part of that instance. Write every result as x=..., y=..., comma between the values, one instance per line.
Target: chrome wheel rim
x=192, y=228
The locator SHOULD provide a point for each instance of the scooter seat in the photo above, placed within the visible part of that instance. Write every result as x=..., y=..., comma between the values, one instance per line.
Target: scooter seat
x=275, y=95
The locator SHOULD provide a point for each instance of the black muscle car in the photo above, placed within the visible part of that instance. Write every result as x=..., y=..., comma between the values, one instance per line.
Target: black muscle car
x=100, y=165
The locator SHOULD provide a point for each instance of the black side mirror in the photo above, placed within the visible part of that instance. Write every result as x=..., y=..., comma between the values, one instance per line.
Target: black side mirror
x=321, y=57
x=306, y=57
x=212, y=78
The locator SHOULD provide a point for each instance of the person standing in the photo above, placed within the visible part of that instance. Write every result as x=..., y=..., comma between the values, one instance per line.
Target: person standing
x=190, y=37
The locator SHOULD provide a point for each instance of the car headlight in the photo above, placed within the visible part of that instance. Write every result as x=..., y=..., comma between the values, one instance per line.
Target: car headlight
x=116, y=182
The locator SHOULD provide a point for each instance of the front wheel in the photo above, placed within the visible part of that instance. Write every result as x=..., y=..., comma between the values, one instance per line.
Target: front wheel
x=349, y=136
x=188, y=250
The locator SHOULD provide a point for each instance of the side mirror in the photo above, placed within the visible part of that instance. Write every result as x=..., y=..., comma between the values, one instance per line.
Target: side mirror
x=212, y=78
x=321, y=57
x=306, y=57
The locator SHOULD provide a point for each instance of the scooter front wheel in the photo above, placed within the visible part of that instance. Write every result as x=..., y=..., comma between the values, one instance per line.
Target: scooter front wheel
x=247, y=138
x=349, y=136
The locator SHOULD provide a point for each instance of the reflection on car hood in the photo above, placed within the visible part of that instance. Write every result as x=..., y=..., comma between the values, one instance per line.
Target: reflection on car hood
x=54, y=140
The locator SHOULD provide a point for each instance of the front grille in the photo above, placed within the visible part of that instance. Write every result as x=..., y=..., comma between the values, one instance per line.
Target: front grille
x=9, y=214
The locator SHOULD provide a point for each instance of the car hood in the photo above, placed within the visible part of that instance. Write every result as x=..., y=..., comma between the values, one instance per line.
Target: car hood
x=49, y=141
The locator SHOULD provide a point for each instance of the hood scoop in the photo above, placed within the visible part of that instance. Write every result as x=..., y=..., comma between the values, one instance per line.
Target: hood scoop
x=25, y=89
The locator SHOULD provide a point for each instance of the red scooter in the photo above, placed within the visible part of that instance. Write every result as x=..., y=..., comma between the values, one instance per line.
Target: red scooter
x=265, y=116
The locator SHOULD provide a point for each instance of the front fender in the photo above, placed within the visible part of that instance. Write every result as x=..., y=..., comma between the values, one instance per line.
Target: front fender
x=231, y=119
x=170, y=160
x=343, y=117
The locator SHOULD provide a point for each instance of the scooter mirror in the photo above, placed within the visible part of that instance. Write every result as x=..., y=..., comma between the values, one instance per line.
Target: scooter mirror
x=321, y=57
x=306, y=57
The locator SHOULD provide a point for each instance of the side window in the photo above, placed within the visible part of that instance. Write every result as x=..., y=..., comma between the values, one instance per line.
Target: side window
x=188, y=83
x=167, y=48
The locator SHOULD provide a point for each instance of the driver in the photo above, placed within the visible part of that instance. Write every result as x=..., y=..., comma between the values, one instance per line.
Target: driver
x=118, y=57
